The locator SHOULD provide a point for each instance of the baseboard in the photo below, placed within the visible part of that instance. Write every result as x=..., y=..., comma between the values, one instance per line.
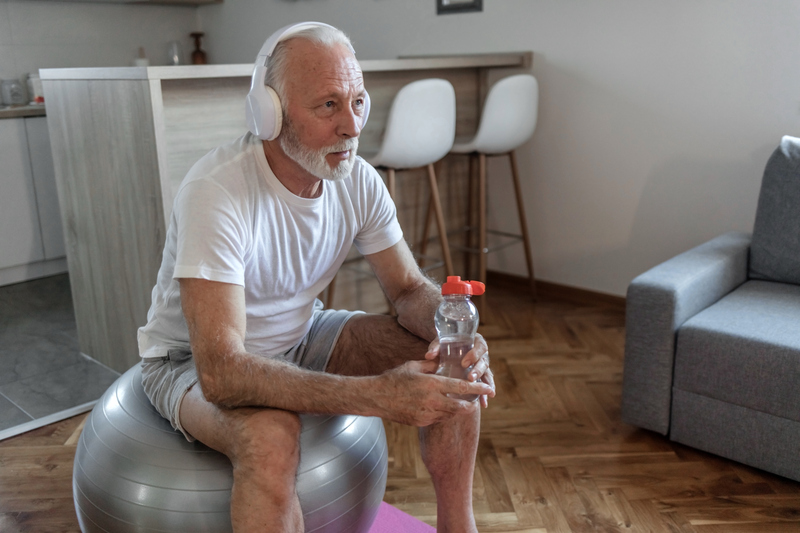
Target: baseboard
x=31, y=271
x=546, y=289
x=46, y=420
x=95, y=361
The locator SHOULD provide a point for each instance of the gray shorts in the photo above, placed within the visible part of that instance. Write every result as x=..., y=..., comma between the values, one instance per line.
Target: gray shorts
x=167, y=379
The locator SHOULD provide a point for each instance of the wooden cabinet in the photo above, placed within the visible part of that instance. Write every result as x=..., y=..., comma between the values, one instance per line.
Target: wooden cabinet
x=31, y=235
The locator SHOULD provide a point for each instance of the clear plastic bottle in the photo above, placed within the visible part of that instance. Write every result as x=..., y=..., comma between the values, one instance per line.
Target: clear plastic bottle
x=456, y=323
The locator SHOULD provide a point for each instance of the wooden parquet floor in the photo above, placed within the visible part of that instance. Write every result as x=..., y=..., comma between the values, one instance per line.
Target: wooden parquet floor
x=553, y=457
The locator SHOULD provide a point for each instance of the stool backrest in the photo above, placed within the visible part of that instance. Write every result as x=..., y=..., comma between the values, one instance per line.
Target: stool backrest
x=421, y=126
x=509, y=115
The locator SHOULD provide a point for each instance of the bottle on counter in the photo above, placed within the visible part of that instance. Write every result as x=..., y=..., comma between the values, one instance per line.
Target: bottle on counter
x=198, y=55
x=141, y=60
x=35, y=92
x=456, y=323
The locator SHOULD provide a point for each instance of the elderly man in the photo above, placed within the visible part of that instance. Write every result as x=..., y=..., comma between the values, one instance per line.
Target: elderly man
x=236, y=343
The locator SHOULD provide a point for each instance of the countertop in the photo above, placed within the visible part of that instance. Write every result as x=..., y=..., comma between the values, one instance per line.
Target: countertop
x=505, y=59
x=22, y=111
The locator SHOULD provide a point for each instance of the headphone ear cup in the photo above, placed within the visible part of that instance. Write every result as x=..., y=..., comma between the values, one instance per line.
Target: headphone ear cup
x=275, y=114
x=252, y=111
x=366, y=110
x=264, y=113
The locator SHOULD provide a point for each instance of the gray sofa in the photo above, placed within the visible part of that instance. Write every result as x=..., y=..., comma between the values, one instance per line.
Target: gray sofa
x=712, y=353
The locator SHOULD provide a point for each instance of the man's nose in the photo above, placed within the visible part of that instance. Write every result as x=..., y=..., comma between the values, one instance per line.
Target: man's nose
x=349, y=123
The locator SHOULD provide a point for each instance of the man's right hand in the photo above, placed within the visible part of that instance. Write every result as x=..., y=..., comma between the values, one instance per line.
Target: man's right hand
x=412, y=394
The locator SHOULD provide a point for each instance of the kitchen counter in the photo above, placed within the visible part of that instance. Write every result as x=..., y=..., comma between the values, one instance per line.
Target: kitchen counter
x=417, y=63
x=190, y=109
x=123, y=138
x=22, y=111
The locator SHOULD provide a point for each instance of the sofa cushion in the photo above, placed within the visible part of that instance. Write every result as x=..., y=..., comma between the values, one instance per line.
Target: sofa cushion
x=775, y=251
x=745, y=349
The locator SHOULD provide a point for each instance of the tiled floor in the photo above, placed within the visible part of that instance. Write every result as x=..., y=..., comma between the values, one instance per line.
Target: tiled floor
x=41, y=369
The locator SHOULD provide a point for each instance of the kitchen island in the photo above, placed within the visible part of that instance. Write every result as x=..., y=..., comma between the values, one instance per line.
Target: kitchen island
x=123, y=139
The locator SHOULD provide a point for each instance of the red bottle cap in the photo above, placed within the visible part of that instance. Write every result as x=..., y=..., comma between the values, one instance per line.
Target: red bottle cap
x=455, y=285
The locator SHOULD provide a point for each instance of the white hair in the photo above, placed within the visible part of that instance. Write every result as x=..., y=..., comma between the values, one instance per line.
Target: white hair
x=278, y=63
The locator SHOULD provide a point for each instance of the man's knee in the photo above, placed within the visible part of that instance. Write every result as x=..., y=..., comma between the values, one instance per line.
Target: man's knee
x=266, y=445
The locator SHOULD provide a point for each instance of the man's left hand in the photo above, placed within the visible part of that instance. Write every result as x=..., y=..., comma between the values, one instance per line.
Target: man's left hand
x=478, y=358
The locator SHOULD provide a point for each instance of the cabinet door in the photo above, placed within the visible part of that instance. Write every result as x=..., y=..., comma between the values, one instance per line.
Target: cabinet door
x=20, y=238
x=44, y=180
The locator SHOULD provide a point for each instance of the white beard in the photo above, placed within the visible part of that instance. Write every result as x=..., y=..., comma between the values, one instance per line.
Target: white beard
x=313, y=161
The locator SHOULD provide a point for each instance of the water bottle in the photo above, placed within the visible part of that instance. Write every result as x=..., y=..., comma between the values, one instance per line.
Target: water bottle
x=456, y=323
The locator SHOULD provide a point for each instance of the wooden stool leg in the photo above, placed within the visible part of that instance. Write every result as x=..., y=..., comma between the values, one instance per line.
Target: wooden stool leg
x=391, y=185
x=482, y=244
x=523, y=223
x=437, y=205
x=426, y=229
x=329, y=295
x=469, y=237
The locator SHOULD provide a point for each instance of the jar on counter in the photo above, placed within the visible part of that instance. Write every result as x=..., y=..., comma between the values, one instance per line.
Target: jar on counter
x=12, y=92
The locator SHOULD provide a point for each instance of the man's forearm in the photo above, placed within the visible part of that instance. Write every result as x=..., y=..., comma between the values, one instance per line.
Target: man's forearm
x=242, y=379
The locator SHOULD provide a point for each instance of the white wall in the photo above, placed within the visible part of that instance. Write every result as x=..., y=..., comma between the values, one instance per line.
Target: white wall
x=38, y=34
x=656, y=118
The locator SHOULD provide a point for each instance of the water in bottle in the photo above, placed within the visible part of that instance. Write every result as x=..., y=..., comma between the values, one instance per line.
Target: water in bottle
x=456, y=323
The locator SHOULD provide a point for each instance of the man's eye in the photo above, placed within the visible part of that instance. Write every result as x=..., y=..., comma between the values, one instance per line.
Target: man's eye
x=359, y=102
x=329, y=103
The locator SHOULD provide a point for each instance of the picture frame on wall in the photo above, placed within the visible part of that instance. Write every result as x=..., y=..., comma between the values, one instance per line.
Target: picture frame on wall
x=444, y=7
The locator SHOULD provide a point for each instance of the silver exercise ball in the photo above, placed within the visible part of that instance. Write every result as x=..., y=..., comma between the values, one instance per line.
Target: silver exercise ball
x=134, y=473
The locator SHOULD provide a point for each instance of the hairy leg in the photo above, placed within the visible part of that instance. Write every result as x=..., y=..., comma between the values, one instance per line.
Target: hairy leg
x=448, y=451
x=263, y=446
x=372, y=344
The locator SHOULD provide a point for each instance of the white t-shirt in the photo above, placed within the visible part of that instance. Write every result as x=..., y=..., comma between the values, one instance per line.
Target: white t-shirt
x=234, y=222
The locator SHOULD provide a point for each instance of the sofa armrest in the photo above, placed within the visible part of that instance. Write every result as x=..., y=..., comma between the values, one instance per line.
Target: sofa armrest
x=658, y=303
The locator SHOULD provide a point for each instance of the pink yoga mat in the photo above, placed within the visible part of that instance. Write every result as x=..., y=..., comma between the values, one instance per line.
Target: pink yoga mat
x=393, y=520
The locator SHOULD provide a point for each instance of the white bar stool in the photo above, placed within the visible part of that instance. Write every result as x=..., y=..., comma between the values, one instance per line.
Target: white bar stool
x=508, y=120
x=420, y=130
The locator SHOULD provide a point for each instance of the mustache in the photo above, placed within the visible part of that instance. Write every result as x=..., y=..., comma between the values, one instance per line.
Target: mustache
x=343, y=145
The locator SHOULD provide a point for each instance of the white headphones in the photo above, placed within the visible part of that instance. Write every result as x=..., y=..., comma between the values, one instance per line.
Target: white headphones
x=263, y=105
